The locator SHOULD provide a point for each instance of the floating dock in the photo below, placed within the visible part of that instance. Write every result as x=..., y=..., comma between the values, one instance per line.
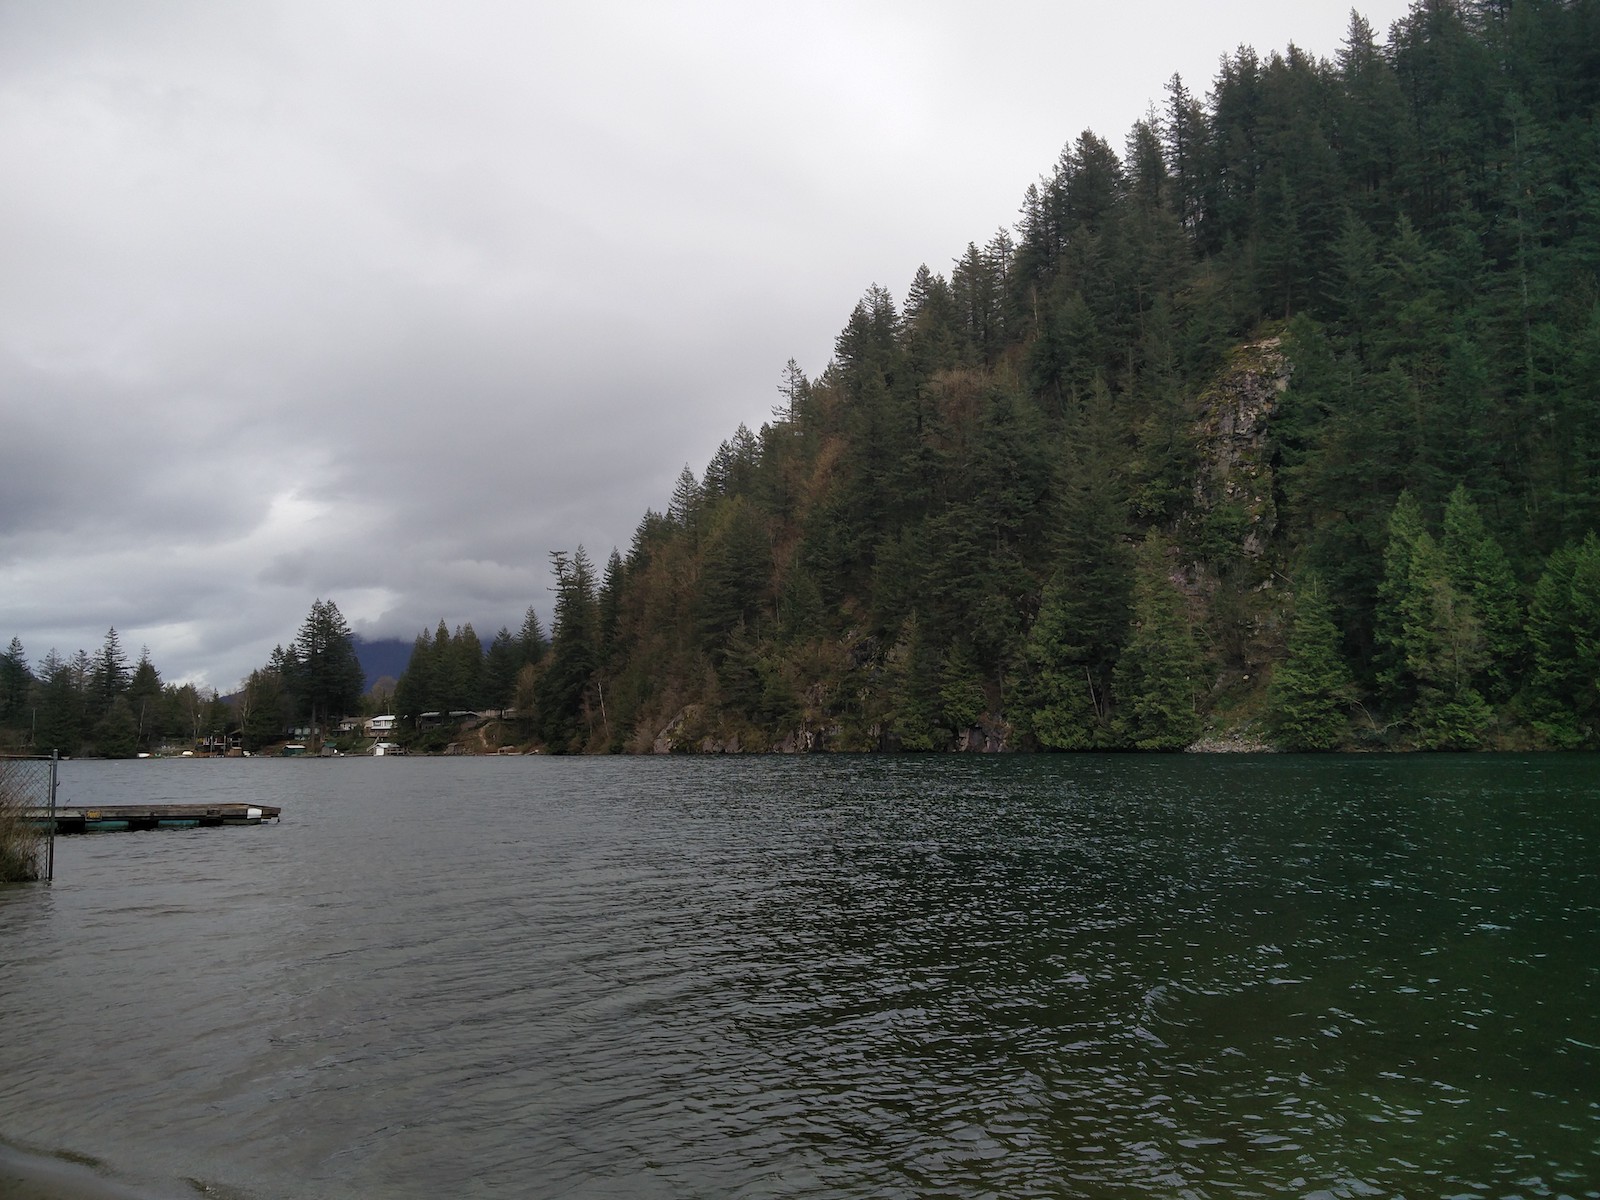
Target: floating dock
x=110, y=818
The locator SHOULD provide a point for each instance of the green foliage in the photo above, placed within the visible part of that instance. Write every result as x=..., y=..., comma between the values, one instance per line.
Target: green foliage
x=1158, y=673
x=116, y=734
x=1446, y=625
x=1069, y=705
x=962, y=703
x=329, y=678
x=941, y=522
x=565, y=711
x=1479, y=570
x=1312, y=689
x=1563, y=698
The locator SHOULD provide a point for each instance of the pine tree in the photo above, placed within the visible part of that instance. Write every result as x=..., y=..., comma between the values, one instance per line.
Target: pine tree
x=15, y=680
x=530, y=639
x=1396, y=680
x=263, y=707
x=144, y=697
x=109, y=678
x=1478, y=569
x=467, y=652
x=1442, y=640
x=562, y=689
x=1312, y=688
x=1563, y=700
x=500, y=670
x=330, y=674
x=415, y=692
x=1158, y=673
x=1067, y=707
x=962, y=702
x=58, y=707
x=116, y=733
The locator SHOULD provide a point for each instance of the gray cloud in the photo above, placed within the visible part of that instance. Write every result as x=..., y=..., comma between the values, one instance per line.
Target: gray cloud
x=384, y=302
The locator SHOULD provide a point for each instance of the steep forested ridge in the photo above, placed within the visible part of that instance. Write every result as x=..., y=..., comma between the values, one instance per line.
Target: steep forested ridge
x=1285, y=419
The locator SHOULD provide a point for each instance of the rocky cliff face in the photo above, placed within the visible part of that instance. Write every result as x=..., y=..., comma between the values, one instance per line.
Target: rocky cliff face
x=1233, y=578
x=1233, y=489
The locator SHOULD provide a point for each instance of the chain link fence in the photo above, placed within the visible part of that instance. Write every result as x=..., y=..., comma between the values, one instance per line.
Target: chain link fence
x=27, y=818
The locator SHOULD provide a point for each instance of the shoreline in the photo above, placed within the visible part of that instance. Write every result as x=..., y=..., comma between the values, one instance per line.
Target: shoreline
x=32, y=1175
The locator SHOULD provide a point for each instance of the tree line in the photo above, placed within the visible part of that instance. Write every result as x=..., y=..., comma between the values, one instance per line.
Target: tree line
x=1017, y=506
x=100, y=705
x=1285, y=419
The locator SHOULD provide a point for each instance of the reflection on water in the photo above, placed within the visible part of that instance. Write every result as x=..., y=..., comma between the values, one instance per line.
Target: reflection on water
x=823, y=977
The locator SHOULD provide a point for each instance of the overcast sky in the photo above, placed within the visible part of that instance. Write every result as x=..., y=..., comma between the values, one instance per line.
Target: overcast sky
x=381, y=301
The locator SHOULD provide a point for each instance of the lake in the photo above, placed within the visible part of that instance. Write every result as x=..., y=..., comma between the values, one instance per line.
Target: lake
x=831, y=976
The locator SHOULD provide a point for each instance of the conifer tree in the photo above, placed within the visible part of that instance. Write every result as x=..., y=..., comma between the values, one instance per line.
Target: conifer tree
x=962, y=702
x=467, y=651
x=562, y=690
x=144, y=696
x=530, y=639
x=109, y=678
x=1311, y=690
x=1478, y=569
x=414, y=692
x=500, y=670
x=1158, y=673
x=1563, y=698
x=1068, y=708
x=330, y=675
x=1443, y=647
x=15, y=680
x=1396, y=679
x=59, y=719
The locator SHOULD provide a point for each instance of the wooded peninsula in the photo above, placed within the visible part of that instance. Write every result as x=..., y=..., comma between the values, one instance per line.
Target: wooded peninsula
x=1280, y=427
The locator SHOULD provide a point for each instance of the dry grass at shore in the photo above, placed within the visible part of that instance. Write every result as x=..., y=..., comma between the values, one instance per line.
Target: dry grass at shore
x=21, y=842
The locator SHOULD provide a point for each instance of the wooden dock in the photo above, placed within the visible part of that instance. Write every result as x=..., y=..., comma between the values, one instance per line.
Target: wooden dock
x=108, y=818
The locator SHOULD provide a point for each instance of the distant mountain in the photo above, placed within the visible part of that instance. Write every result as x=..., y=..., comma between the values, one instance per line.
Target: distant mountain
x=387, y=656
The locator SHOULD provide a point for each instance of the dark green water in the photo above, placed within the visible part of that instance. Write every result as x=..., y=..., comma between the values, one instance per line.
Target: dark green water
x=1053, y=976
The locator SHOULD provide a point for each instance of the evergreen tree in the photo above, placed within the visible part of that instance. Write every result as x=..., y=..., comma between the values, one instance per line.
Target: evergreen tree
x=1158, y=673
x=1479, y=570
x=144, y=697
x=1563, y=698
x=962, y=702
x=1083, y=618
x=58, y=707
x=116, y=733
x=1396, y=676
x=15, y=680
x=330, y=675
x=109, y=678
x=468, y=654
x=445, y=671
x=736, y=576
x=1443, y=643
x=415, y=691
x=530, y=639
x=500, y=670
x=1068, y=707
x=610, y=605
x=562, y=689
x=264, y=706
x=1312, y=689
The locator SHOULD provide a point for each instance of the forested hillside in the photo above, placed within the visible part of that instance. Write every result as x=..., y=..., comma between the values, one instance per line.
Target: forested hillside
x=1282, y=421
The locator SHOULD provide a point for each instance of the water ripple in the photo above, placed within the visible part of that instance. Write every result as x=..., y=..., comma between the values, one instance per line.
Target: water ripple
x=887, y=978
